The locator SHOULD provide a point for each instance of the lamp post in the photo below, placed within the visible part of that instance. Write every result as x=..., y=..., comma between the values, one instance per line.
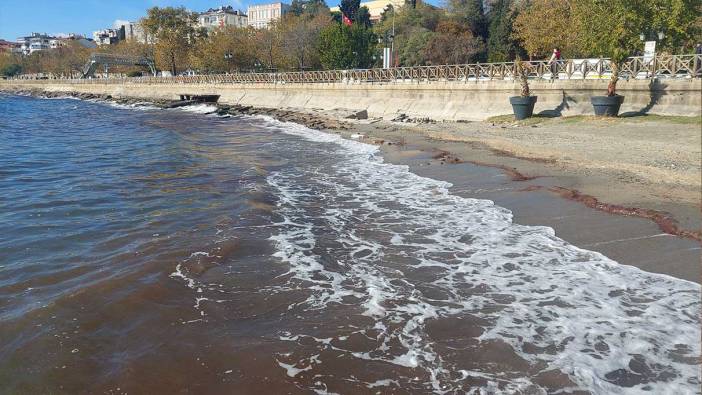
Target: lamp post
x=229, y=57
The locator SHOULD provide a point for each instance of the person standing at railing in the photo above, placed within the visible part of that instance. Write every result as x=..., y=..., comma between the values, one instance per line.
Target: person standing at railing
x=553, y=62
x=698, y=61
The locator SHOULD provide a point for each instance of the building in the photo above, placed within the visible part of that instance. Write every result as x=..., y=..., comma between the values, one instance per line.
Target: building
x=60, y=41
x=261, y=15
x=133, y=31
x=222, y=16
x=376, y=7
x=109, y=36
x=35, y=42
x=9, y=46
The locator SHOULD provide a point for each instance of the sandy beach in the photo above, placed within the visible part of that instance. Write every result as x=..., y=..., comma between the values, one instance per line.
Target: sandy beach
x=627, y=187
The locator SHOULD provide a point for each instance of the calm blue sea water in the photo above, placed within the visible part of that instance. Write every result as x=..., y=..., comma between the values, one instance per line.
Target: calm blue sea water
x=160, y=251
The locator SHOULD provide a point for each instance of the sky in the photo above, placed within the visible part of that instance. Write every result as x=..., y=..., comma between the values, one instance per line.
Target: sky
x=20, y=18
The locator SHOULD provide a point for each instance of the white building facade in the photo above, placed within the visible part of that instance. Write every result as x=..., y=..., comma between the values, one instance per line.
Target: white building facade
x=261, y=15
x=222, y=16
x=35, y=42
x=108, y=36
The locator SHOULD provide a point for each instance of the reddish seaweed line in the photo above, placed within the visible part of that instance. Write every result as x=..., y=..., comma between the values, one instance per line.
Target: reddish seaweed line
x=664, y=221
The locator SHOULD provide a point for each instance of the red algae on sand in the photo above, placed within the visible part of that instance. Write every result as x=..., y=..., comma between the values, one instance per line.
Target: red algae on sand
x=665, y=222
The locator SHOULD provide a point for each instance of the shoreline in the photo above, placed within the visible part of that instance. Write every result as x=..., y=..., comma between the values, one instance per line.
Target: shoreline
x=539, y=173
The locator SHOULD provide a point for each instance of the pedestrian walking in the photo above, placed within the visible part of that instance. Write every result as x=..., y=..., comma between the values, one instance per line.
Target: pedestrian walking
x=553, y=62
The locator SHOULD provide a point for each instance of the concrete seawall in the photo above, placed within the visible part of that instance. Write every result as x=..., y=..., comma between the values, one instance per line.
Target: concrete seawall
x=449, y=100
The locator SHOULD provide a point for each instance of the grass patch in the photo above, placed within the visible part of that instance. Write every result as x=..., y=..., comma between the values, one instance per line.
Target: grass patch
x=678, y=119
x=509, y=119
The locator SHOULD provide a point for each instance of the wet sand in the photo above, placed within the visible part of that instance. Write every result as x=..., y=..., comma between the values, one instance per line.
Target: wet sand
x=648, y=222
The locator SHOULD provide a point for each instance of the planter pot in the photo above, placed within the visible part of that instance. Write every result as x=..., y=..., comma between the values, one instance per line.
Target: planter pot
x=523, y=107
x=607, y=106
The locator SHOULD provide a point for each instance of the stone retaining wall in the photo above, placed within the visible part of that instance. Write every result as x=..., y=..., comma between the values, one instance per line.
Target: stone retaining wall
x=436, y=100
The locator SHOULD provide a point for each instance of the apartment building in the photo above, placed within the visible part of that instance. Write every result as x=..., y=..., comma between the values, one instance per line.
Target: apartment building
x=109, y=36
x=261, y=15
x=222, y=16
x=34, y=42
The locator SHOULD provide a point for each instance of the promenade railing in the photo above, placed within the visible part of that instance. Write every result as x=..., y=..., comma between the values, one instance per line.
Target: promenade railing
x=637, y=67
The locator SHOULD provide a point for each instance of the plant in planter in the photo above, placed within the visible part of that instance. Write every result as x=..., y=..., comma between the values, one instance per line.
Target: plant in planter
x=522, y=105
x=609, y=105
x=610, y=28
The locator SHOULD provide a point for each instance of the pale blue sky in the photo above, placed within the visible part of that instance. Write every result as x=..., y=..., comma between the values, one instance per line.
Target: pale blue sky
x=20, y=18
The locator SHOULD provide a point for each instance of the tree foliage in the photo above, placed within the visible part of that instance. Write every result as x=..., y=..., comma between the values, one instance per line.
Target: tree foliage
x=502, y=46
x=413, y=29
x=10, y=64
x=350, y=8
x=545, y=25
x=471, y=14
x=343, y=47
x=175, y=34
x=225, y=50
x=308, y=7
x=453, y=43
x=301, y=39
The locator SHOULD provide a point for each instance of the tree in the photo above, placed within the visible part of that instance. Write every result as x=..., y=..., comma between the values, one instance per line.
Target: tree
x=453, y=43
x=364, y=42
x=68, y=60
x=297, y=7
x=226, y=49
x=363, y=17
x=175, y=34
x=412, y=52
x=308, y=7
x=547, y=24
x=10, y=64
x=268, y=46
x=343, y=47
x=501, y=44
x=335, y=47
x=413, y=28
x=301, y=39
x=680, y=20
x=350, y=8
x=472, y=14
x=610, y=29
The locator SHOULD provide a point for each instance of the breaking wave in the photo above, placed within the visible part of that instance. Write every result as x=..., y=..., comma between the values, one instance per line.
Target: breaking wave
x=400, y=250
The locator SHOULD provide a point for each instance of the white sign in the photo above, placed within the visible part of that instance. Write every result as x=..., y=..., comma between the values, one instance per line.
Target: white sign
x=387, y=58
x=649, y=51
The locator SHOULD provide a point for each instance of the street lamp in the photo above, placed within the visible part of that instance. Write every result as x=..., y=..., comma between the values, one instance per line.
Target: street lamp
x=229, y=57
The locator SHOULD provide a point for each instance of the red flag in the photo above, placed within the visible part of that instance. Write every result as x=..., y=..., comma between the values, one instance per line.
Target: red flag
x=346, y=20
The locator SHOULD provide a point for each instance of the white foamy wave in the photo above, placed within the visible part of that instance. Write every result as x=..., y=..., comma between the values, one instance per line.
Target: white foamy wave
x=141, y=106
x=407, y=254
x=201, y=108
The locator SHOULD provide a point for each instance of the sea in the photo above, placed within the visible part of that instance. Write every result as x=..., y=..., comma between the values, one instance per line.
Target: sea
x=149, y=251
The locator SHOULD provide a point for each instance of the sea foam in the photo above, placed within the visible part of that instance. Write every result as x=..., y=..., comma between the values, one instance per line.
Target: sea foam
x=610, y=328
